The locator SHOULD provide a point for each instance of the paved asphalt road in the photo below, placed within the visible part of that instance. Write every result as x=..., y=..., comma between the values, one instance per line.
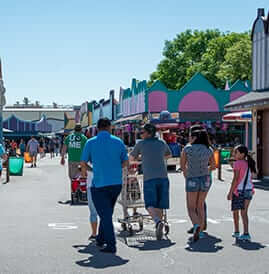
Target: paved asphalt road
x=40, y=235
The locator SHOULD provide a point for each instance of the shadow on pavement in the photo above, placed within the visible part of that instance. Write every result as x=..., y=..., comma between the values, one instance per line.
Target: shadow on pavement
x=144, y=240
x=154, y=245
x=247, y=245
x=98, y=259
x=206, y=245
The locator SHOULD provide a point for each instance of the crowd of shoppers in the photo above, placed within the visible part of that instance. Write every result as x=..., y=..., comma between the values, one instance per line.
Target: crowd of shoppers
x=105, y=155
x=102, y=158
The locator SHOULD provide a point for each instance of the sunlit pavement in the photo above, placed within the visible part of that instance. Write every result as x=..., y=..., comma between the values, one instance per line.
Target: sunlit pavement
x=39, y=234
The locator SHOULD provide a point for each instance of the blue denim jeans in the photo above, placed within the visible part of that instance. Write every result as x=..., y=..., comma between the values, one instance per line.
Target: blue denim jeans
x=93, y=213
x=196, y=184
x=104, y=199
x=156, y=193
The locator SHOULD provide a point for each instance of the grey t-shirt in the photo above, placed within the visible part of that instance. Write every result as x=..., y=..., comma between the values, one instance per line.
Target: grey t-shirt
x=33, y=146
x=153, y=152
x=198, y=156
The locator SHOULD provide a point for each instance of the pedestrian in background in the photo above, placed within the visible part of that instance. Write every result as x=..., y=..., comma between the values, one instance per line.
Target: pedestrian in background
x=22, y=148
x=241, y=189
x=3, y=156
x=33, y=149
x=154, y=153
x=108, y=155
x=57, y=146
x=14, y=146
x=51, y=148
x=42, y=146
x=73, y=146
x=197, y=161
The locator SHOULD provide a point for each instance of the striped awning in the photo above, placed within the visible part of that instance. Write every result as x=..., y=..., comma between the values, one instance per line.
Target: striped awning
x=245, y=116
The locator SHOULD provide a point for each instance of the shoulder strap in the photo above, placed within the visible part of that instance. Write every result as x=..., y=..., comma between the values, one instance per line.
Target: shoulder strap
x=246, y=179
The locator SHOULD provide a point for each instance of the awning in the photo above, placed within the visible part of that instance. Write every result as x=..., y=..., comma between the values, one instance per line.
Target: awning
x=245, y=116
x=137, y=117
x=167, y=125
x=47, y=135
x=7, y=130
x=251, y=100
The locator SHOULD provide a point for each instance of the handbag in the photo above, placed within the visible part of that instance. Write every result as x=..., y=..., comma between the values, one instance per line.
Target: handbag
x=238, y=202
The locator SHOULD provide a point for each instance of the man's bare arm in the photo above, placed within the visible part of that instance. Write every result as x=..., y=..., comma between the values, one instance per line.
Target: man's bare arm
x=83, y=169
x=125, y=163
x=64, y=149
x=168, y=156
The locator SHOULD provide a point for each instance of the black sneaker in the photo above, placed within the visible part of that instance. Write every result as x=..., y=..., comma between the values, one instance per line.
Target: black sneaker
x=92, y=238
x=159, y=230
x=32, y=166
x=190, y=231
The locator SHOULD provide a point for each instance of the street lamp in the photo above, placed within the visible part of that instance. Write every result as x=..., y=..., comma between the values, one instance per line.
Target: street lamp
x=2, y=102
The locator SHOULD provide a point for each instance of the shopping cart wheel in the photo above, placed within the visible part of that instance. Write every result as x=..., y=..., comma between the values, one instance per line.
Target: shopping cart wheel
x=74, y=199
x=123, y=226
x=130, y=230
x=140, y=224
x=166, y=229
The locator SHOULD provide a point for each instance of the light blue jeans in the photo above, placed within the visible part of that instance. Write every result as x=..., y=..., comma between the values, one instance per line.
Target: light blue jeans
x=93, y=213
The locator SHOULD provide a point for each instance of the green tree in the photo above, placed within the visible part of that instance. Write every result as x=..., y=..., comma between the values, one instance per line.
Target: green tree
x=237, y=63
x=179, y=54
x=209, y=52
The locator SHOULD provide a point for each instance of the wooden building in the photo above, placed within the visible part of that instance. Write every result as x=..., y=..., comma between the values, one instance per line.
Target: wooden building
x=258, y=99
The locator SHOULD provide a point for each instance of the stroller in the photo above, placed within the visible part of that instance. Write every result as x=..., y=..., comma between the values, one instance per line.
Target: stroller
x=78, y=190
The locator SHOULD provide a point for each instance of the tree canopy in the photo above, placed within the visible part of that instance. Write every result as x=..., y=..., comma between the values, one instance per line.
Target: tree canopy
x=218, y=56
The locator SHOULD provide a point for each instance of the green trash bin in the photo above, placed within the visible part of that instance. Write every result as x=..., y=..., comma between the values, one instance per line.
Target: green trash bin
x=16, y=166
x=225, y=155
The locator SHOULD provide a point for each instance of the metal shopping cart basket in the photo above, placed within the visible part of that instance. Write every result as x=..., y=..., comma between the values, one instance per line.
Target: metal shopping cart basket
x=132, y=197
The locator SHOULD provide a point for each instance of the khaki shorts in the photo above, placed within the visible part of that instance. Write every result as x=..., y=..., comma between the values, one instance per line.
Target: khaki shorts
x=73, y=170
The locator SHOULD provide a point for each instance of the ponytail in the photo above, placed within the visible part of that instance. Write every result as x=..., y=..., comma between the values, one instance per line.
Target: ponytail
x=251, y=164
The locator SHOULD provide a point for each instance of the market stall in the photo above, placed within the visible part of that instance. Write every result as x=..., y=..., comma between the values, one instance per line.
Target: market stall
x=241, y=117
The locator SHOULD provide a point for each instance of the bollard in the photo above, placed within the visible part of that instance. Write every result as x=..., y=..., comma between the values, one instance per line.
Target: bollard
x=7, y=170
x=220, y=164
x=217, y=157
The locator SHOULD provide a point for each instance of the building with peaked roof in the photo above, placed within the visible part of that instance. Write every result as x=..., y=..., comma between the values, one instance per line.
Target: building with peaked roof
x=258, y=99
x=197, y=100
x=24, y=122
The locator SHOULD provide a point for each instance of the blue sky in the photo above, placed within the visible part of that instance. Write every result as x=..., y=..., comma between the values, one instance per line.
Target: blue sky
x=71, y=51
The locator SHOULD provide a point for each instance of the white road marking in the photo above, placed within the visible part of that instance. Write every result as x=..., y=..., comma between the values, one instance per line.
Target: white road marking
x=177, y=221
x=63, y=226
x=212, y=221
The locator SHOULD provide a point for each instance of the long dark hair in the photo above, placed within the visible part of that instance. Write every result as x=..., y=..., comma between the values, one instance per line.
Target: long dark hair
x=201, y=137
x=251, y=163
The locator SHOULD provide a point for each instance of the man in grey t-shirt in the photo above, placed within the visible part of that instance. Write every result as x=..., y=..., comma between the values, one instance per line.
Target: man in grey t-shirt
x=33, y=149
x=154, y=152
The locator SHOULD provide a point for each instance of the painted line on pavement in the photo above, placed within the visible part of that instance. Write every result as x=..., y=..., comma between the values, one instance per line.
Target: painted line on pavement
x=212, y=221
x=62, y=226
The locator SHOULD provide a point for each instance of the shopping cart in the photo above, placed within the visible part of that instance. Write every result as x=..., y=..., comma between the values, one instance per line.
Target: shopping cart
x=132, y=197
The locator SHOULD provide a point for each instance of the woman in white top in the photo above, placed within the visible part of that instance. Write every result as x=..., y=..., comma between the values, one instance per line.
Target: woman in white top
x=93, y=213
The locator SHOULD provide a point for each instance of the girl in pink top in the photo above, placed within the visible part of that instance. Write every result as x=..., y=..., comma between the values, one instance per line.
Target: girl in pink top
x=243, y=168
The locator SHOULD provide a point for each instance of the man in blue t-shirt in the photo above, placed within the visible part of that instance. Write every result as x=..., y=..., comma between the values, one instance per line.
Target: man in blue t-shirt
x=2, y=156
x=107, y=155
